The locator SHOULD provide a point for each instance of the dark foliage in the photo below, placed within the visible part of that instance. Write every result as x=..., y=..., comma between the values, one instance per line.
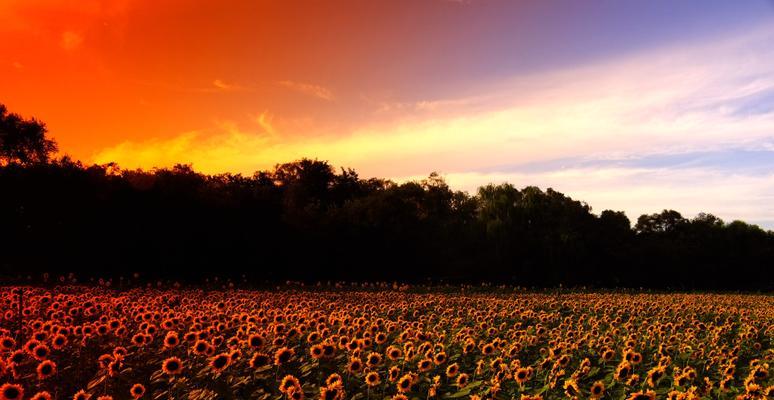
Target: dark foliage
x=305, y=221
x=23, y=141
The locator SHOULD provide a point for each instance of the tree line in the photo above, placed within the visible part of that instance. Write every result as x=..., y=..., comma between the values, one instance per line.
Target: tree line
x=307, y=221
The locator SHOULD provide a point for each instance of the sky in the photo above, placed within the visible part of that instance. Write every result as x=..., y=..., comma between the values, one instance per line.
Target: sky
x=627, y=105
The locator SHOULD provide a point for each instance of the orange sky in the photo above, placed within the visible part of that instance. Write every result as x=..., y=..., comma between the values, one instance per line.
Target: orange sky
x=626, y=104
x=100, y=72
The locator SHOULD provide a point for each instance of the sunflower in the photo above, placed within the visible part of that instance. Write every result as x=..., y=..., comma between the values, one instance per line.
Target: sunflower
x=563, y=360
x=452, y=370
x=256, y=341
x=328, y=350
x=682, y=380
x=468, y=347
x=355, y=365
x=46, y=369
x=754, y=390
x=316, y=351
x=675, y=395
x=295, y=393
x=372, y=379
x=373, y=359
x=17, y=357
x=393, y=373
x=138, y=340
x=30, y=346
x=200, y=347
x=171, y=340
x=289, y=381
x=105, y=360
x=655, y=374
x=333, y=379
x=119, y=351
x=59, y=341
x=649, y=395
x=259, y=360
x=332, y=392
x=11, y=391
x=462, y=380
x=404, y=383
x=283, y=355
x=42, y=396
x=622, y=371
x=172, y=366
x=7, y=343
x=220, y=362
x=137, y=391
x=522, y=375
x=393, y=353
x=571, y=388
x=761, y=372
x=425, y=365
x=81, y=395
x=40, y=352
x=597, y=390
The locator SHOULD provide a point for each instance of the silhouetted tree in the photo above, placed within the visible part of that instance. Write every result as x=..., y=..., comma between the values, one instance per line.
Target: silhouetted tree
x=666, y=221
x=22, y=140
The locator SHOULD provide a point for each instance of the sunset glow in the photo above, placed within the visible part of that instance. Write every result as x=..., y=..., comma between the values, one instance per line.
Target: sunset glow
x=591, y=104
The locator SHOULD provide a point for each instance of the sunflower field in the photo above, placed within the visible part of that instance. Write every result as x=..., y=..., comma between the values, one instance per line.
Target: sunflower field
x=381, y=343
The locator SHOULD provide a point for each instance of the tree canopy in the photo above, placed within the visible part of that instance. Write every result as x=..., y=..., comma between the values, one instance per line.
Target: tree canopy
x=22, y=140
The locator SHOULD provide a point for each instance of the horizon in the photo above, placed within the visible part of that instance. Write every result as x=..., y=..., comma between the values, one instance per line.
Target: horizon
x=590, y=100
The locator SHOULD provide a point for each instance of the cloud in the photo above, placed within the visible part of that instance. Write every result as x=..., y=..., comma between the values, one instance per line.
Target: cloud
x=623, y=118
x=264, y=120
x=217, y=86
x=309, y=89
x=448, y=105
x=71, y=40
x=228, y=87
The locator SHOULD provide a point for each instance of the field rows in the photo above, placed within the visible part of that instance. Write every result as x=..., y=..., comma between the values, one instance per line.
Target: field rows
x=80, y=343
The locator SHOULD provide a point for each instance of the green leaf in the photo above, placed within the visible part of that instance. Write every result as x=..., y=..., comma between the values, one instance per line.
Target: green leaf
x=543, y=389
x=461, y=393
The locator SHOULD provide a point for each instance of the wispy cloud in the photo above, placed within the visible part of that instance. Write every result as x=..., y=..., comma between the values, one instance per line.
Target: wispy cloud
x=309, y=89
x=216, y=86
x=438, y=105
x=228, y=87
